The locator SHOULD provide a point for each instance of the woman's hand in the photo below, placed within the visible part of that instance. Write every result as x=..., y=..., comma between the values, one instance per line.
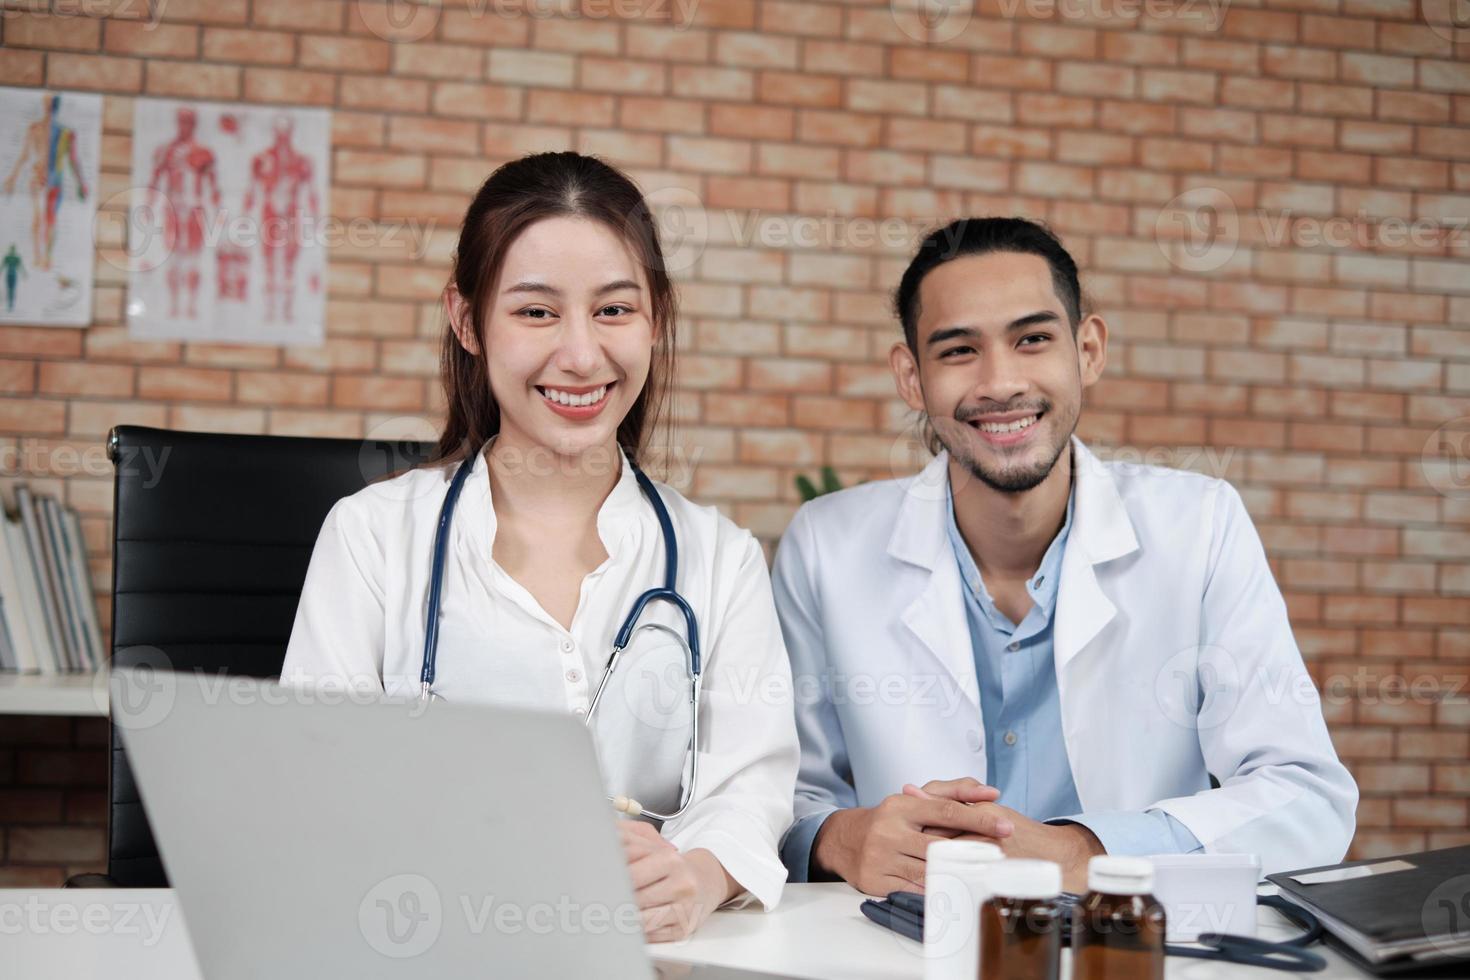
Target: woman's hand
x=675, y=891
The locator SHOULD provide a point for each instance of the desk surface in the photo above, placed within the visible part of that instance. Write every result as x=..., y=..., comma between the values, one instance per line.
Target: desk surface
x=817, y=932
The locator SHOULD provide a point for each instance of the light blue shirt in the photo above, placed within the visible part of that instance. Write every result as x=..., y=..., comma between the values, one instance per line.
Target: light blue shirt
x=1025, y=754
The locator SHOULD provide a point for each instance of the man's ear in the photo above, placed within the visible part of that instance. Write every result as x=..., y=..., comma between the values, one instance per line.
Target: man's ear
x=1092, y=348
x=458, y=312
x=906, y=375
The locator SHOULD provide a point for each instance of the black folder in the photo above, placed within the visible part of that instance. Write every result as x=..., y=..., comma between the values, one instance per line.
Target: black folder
x=1403, y=915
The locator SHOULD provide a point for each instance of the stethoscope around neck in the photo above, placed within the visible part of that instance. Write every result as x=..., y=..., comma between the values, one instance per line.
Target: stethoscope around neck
x=668, y=592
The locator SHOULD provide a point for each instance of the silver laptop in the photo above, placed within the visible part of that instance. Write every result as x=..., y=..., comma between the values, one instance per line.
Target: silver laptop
x=310, y=835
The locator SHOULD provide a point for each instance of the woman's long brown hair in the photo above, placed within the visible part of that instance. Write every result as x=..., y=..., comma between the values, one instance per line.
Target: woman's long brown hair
x=519, y=193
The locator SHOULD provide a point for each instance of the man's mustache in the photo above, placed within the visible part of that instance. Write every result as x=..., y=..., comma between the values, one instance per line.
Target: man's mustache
x=965, y=413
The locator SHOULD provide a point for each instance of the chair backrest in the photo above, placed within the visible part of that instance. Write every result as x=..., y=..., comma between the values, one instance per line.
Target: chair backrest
x=212, y=535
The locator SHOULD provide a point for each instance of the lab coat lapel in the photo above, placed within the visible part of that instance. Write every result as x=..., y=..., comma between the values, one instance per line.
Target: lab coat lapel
x=936, y=616
x=1101, y=531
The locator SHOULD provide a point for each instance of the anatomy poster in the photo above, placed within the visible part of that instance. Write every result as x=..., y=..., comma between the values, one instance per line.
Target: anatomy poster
x=50, y=144
x=227, y=228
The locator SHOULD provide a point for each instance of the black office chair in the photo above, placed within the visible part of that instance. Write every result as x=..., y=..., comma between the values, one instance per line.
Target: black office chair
x=212, y=535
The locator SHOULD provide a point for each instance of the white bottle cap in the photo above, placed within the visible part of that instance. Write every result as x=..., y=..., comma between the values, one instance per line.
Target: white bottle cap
x=1026, y=879
x=1114, y=875
x=955, y=853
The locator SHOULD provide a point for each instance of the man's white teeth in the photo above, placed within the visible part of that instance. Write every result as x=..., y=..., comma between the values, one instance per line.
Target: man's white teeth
x=1015, y=426
x=574, y=401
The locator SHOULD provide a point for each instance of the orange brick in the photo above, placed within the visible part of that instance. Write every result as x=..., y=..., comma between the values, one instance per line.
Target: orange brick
x=250, y=47
x=184, y=383
x=44, y=30
x=151, y=40
x=570, y=108
x=752, y=122
x=85, y=71
x=86, y=380
x=479, y=101
x=382, y=92
x=793, y=88
x=343, y=53
x=713, y=83
x=288, y=86
x=377, y=393
x=814, y=19
x=750, y=50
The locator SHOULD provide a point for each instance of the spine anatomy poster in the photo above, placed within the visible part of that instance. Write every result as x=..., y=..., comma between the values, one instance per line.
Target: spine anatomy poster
x=227, y=228
x=50, y=145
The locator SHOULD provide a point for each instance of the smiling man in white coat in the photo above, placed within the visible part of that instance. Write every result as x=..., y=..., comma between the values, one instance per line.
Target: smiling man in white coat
x=1028, y=645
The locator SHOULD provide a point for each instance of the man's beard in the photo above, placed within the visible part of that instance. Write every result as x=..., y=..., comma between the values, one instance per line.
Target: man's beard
x=1012, y=480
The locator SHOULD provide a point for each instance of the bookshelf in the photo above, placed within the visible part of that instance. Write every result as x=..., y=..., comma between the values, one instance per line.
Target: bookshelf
x=81, y=694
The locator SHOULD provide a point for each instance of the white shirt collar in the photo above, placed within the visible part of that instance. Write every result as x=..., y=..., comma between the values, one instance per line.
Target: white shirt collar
x=623, y=511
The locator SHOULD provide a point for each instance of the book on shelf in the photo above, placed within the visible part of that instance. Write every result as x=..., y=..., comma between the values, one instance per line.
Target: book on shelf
x=48, y=618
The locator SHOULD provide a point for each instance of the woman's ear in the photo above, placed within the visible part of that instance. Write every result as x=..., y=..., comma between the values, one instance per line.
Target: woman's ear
x=458, y=312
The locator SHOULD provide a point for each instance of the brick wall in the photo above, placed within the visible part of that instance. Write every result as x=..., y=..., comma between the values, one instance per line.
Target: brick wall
x=1311, y=354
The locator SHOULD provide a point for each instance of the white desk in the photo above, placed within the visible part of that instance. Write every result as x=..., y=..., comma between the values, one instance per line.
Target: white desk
x=817, y=932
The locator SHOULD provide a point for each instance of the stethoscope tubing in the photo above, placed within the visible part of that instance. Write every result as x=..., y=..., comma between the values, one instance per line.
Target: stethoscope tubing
x=667, y=593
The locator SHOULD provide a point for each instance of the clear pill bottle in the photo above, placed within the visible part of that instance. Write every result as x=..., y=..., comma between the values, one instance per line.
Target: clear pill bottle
x=1021, y=922
x=1118, y=928
x=954, y=888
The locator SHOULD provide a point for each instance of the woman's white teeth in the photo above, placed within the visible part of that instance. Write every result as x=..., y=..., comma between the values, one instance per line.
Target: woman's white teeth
x=572, y=400
x=1015, y=426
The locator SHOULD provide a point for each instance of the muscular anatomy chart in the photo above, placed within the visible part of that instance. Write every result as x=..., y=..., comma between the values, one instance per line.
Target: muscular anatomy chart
x=227, y=231
x=49, y=152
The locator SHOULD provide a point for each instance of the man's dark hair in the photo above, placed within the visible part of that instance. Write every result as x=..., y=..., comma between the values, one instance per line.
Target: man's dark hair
x=979, y=236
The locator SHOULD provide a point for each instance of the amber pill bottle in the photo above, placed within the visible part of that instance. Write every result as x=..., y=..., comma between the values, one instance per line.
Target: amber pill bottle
x=1021, y=922
x=1118, y=928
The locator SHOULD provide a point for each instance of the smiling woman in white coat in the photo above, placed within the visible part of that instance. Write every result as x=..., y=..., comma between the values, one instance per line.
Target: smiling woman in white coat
x=557, y=356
